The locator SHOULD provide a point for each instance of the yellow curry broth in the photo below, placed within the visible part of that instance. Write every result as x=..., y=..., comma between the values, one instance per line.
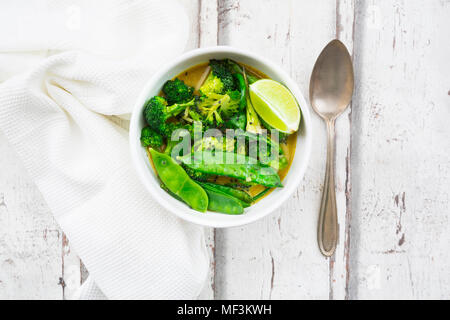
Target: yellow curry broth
x=193, y=75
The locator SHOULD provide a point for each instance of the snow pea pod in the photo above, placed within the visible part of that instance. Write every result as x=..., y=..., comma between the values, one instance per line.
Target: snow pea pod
x=221, y=202
x=239, y=194
x=279, y=162
x=178, y=182
x=232, y=165
x=261, y=194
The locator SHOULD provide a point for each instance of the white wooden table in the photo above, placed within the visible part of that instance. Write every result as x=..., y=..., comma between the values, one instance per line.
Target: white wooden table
x=393, y=164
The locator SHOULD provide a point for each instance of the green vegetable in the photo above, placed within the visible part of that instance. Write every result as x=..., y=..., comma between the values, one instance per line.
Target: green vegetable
x=237, y=121
x=213, y=105
x=222, y=70
x=238, y=166
x=282, y=136
x=278, y=162
x=239, y=194
x=251, y=78
x=240, y=184
x=222, y=202
x=223, y=93
x=164, y=187
x=213, y=143
x=186, y=129
x=242, y=90
x=156, y=113
x=178, y=182
x=212, y=84
x=197, y=175
x=253, y=123
x=261, y=194
x=151, y=138
x=176, y=91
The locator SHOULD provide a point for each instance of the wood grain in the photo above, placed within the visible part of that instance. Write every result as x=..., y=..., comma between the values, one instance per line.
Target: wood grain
x=30, y=240
x=339, y=268
x=204, y=24
x=400, y=151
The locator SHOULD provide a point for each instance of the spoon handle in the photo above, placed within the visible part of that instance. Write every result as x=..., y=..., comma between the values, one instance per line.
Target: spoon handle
x=328, y=228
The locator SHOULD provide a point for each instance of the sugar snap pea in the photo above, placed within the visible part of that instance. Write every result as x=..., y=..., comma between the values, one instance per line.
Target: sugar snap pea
x=232, y=165
x=221, y=202
x=178, y=182
x=279, y=162
x=241, y=195
x=261, y=194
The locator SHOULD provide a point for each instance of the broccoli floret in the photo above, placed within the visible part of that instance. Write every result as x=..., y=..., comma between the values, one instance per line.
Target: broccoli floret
x=220, y=97
x=176, y=126
x=194, y=115
x=214, y=107
x=177, y=91
x=169, y=147
x=223, y=70
x=210, y=105
x=237, y=121
x=212, y=84
x=156, y=113
x=214, y=98
x=234, y=95
x=151, y=138
x=188, y=129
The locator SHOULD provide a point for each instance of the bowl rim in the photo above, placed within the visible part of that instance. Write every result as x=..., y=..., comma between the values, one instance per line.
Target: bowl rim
x=151, y=184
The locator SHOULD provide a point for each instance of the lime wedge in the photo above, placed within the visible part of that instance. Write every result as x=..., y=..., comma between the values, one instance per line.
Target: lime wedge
x=275, y=104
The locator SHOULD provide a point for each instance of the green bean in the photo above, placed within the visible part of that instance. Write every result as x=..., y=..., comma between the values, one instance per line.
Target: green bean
x=178, y=182
x=239, y=194
x=261, y=194
x=221, y=202
x=233, y=165
x=251, y=78
x=242, y=89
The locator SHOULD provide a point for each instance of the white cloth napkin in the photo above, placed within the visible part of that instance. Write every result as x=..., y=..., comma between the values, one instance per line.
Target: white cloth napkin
x=64, y=66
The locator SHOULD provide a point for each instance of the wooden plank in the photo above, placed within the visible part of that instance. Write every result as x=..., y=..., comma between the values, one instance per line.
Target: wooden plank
x=278, y=257
x=207, y=30
x=203, y=33
x=30, y=240
x=401, y=143
x=339, y=263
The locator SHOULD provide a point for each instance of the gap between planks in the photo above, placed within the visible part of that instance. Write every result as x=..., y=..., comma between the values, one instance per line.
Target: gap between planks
x=339, y=263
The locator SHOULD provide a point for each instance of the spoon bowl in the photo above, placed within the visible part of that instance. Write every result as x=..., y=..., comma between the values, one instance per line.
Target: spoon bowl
x=330, y=92
x=332, y=81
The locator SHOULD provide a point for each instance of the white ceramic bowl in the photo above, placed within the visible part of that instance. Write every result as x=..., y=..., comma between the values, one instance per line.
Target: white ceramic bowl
x=264, y=206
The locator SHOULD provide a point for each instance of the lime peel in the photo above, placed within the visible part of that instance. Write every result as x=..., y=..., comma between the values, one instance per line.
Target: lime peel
x=276, y=105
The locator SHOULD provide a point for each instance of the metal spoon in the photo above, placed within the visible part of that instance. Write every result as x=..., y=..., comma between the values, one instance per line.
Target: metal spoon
x=330, y=92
